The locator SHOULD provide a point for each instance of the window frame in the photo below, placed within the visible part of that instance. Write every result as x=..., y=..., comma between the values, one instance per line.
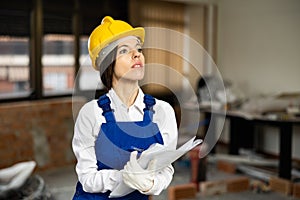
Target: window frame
x=35, y=36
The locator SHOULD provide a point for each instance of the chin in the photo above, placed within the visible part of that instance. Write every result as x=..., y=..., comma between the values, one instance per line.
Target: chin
x=138, y=75
x=134, y=77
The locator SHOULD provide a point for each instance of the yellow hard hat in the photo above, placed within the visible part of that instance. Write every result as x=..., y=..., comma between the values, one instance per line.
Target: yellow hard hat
x=109, y=31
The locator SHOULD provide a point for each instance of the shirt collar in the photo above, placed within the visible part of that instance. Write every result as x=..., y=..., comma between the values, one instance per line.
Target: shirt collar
x=116, y=101
x=139, y=102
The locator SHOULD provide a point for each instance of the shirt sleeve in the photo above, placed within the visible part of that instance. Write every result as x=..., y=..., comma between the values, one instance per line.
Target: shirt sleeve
x=168, y=127
x=85, y=132
x=167, y=124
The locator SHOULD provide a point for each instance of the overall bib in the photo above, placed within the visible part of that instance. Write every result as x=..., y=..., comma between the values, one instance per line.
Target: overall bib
x=115, y=142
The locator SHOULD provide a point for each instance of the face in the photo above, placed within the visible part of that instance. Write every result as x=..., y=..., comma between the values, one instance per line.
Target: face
x=130, y=61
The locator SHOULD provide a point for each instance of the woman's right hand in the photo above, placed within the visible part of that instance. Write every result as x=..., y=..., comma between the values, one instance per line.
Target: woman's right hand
x=136, y=177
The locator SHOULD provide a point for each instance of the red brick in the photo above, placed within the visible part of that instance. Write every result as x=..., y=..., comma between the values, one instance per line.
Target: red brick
x=182, y=191
x=296, y=190
x=280, y=185
x=238, y=184
x=226, y=166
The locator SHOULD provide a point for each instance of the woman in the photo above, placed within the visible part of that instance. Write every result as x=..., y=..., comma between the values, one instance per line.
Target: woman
x=111, y=131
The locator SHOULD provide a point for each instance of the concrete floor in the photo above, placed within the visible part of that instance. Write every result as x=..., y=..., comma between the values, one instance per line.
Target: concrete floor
x=61, y=184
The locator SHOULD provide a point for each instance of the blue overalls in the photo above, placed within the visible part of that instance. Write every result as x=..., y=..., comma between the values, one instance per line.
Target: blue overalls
x=115, y=142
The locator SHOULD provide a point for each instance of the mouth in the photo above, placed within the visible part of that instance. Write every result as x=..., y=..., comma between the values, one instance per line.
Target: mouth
x=137, y=65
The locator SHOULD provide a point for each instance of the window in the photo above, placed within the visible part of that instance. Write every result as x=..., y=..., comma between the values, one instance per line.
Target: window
x=14, y=67
x=14, y=50
x=39, y=50
x=89, y=78
x=58, y=64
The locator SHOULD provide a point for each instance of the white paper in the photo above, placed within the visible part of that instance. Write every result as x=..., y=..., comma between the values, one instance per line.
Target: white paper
x=164, y=157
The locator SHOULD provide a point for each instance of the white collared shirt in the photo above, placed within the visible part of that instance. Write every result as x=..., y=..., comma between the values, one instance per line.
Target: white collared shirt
x=86, y=131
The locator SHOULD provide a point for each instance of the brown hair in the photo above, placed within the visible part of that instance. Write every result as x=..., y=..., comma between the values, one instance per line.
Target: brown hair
x=106, y=68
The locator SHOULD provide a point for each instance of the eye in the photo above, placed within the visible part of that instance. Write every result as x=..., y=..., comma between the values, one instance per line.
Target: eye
x=140, y=49
x=123, y=50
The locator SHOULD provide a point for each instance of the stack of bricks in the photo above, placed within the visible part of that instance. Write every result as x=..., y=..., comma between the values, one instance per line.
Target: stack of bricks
x=38, y=130
x=274, y=184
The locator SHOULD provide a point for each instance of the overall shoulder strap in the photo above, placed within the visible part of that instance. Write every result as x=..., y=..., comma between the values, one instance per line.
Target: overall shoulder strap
x=148, y=110
x=104, y=103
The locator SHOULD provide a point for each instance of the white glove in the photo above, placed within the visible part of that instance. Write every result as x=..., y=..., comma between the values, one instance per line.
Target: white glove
x=136, y=177
x=113, y=179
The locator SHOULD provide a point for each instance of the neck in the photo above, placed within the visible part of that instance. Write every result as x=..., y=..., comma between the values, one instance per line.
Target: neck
x=127, y=92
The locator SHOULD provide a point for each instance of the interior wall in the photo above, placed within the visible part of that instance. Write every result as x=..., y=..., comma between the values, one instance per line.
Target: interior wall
x=259, y=45
x=258, y=50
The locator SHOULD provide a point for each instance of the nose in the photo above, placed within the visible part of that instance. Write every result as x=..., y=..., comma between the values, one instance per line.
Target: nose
x=135, y=54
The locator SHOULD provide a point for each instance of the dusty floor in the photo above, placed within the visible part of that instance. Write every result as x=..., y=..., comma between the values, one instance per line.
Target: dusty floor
x=61, y=183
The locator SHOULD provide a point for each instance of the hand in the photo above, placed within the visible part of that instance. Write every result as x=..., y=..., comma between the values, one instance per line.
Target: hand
x=114, y=179
x=136, y=177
